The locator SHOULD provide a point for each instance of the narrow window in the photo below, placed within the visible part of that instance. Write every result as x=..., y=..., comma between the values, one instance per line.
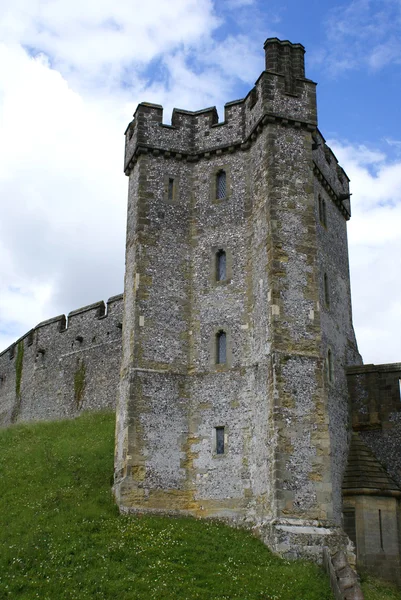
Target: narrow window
x=170, y=192
x=322, y=211
x=221, y=268
x=399, y=385
x=219, y=440
x=330, y=365
x=221, y=185
x=326, y=291
x=221, y=348
x=381, y=530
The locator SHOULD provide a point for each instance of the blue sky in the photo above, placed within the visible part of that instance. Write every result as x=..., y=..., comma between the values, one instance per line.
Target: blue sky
x=71, y=74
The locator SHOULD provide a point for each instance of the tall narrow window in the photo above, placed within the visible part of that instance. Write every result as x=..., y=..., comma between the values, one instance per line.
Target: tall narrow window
x=221, y=266
x=330, y=373
x=326, y=291
x=219, y=440
x=221, y=348
x=381, y=530
x=170, y=192
x=221, y=185
x=322, y=211
x=399, y=385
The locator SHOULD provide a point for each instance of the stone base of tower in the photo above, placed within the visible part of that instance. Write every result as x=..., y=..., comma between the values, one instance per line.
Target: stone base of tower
x=132, y=499
x=289, y=538
x=298, y=538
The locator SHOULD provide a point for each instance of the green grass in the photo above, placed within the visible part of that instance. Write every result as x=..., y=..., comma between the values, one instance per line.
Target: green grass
x=376, y=589
x=61, y=536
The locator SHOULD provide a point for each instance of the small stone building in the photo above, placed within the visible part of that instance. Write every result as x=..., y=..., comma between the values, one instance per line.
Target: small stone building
x=372, y=481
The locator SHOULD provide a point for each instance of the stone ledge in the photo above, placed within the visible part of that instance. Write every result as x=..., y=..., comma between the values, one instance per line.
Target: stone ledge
x=301, y=538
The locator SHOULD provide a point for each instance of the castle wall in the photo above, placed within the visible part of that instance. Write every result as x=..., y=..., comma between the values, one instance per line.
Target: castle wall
x=330, y=184
x=59, y=369
x=375, y=397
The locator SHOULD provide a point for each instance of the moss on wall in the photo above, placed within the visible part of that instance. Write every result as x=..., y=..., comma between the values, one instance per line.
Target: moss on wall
x=79, y=384
x=18, y=368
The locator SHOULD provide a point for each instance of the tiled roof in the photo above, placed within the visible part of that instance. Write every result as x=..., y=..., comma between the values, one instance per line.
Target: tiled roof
x=364, y=474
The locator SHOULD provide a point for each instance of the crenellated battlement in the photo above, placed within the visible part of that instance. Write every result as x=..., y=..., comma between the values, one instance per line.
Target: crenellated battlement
x=331, y=175
x=375, y=396
x=47, y=362
x=97, y=310
x=281, y=93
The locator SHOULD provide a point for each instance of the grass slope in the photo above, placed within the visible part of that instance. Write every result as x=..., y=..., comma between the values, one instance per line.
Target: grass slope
x=376, y=589
x=61, y=536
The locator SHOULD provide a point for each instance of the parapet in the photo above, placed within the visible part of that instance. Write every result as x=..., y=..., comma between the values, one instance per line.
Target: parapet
x=281, y=93
x=331, y=175
x=98, y=309
x=63, y=365
x=60, y=324
x=375, y=395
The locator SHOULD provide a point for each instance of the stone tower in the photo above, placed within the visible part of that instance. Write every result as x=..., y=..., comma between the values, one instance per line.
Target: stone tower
x=237, y=317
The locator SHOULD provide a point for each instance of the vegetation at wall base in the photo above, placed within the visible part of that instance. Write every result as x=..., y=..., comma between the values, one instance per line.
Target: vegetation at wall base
x=61, y=535
x=377, y=589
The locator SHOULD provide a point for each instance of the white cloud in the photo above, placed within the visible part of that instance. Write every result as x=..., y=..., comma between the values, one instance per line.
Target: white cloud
x=239, y=3
x=375, y=250
x=71, y=74
x=363, y=33
x=95, y=36
x=62, y=195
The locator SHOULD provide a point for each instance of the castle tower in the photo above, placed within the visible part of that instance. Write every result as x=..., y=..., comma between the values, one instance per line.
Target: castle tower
x=237, y=317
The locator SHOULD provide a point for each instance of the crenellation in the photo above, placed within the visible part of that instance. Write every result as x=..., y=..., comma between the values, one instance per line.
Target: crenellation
x=195, y=134
x=97, y=310
x=254, y=110
x=52, y=353
x=331, y=175
x=300, y=107
x=60, y=321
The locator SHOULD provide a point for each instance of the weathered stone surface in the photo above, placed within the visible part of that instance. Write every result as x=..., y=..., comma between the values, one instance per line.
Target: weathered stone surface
x=285, y=419
x=372, y=484
x=62, y=367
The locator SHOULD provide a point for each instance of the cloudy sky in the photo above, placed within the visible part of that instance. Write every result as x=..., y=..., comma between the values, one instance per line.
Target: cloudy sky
x=71, y=74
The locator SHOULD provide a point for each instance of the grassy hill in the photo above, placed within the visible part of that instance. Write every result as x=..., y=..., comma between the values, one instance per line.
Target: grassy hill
x=61, y=536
